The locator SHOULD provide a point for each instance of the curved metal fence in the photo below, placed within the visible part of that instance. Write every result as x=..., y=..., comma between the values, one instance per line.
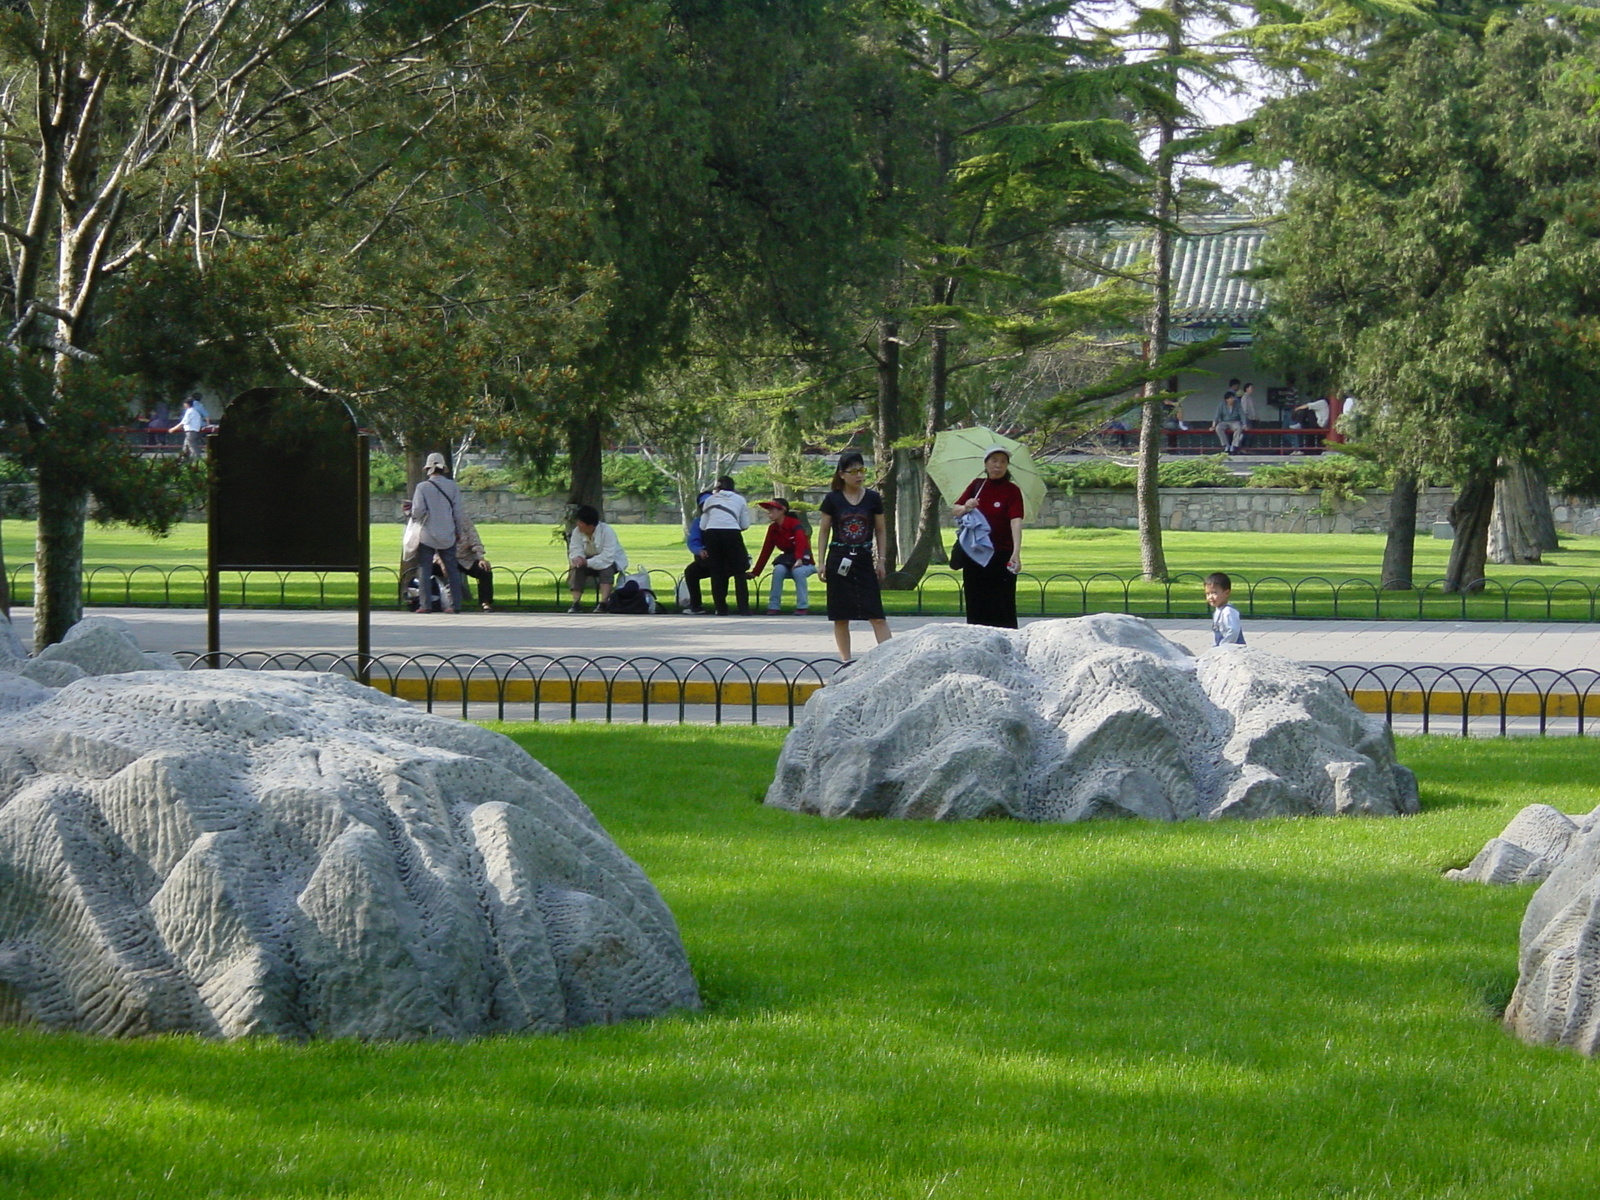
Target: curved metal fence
x=1059, y=594
x=1469, y=701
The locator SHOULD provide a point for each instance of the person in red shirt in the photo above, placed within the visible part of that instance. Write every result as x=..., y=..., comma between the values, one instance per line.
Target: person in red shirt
x=787, y=535
x=991, y=588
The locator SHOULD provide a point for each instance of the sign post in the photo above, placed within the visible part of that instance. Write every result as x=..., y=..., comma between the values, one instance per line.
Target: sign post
x=289, y=493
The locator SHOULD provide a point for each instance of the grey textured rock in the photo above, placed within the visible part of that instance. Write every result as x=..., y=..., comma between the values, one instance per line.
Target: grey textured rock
x=1527, y=850
x=50, y=673
x=103, y=646
x=10, y=644
x=1557, y=998
x=239, y=852
x=1069, y=720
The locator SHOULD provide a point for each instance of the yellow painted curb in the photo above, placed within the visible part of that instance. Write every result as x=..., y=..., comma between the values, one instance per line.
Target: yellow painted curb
x=446, y=689
x=1478, y=704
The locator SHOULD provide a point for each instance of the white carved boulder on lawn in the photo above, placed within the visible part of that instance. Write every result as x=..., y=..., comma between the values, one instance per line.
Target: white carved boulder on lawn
x=238, y=852
x=1074, y=719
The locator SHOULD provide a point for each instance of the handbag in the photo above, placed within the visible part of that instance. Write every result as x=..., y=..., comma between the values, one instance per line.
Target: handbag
x=411, y=539
x=970, y=528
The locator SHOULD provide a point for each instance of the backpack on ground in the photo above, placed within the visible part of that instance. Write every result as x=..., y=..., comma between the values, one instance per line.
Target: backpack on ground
x=632, y=600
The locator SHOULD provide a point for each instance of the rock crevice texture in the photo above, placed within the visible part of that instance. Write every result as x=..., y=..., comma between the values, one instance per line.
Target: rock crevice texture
x=237, y=852
x=1528, y=849
x=1557, y=997
x=1075, y=719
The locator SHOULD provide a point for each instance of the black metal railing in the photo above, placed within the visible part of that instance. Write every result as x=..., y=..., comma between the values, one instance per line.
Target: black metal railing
x=1496, y=701
x=1059, y=594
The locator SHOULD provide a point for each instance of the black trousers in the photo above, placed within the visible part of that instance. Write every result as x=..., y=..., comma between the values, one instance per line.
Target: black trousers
x=485, y=578
x=991, y=593
x=729, y=560
x=698, y=569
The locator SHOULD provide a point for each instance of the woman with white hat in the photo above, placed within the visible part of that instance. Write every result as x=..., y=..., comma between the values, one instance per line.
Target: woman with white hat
x=991, y=586
x=436, y=508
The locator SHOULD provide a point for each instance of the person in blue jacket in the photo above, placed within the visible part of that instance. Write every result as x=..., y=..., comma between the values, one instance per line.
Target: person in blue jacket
x=700, y=565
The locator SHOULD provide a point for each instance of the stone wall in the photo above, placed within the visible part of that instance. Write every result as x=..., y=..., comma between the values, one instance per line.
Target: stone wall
x=502, y=506
x=1239, y=510
x=1210, y=510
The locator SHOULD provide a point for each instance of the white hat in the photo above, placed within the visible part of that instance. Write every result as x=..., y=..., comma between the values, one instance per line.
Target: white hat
x=997, y=450
x=435, y=462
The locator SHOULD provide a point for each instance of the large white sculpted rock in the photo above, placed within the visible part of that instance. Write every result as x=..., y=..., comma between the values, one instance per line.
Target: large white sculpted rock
x=1074, y=719
x=1557, y=999
x=1528, y=849
x=242, y=852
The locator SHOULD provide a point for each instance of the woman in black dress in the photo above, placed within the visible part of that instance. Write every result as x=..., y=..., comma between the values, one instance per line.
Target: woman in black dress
x=991, y=589
x=850, y=549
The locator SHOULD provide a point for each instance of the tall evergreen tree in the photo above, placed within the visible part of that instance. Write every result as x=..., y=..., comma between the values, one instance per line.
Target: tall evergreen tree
x=1441, y=251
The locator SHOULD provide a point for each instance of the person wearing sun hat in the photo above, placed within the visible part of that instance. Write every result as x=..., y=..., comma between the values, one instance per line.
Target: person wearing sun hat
x=991, y=586
x=436, y=507
x=787, y=535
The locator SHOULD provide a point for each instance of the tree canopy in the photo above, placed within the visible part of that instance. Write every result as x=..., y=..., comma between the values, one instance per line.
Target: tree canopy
x=1439, y=250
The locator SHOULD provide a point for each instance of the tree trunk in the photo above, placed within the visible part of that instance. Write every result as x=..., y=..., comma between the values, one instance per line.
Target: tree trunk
x=1523, y=527
x=58, y=582
x=887, y=430
x=1152, y=555
x=928, y=547
x=1469, y=553
x=1399, y=551
x=584, y=437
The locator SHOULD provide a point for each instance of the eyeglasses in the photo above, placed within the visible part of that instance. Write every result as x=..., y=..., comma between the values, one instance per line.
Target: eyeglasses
x=854, y=471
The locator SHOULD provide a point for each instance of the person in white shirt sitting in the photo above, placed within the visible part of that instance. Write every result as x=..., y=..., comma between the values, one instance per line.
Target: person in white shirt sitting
x=594, y=553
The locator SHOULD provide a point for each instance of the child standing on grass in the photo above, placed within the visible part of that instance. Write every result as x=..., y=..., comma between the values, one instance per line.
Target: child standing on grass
x=1225, y=625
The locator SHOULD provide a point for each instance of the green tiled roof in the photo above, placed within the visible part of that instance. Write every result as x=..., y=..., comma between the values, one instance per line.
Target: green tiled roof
x=1206, y=259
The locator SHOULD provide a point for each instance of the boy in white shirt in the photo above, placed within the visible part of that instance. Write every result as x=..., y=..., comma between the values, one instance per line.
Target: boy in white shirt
x=1225, y=626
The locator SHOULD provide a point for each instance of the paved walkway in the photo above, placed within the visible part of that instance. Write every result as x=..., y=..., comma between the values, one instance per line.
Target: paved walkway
x=1445, y=643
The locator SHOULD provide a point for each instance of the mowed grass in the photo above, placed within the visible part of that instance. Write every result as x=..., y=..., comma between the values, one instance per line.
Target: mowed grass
x=1066, y=572
x=1281, y=1009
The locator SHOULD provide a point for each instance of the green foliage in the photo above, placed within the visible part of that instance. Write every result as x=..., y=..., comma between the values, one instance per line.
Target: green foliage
x=1339, y=477
x=386, y=473
x=1440, y=251
x=533, y=478
x=476, y=478
x=178, y=326
x=18, y=499
x=1209, y=471
x=755, y=481
x=631, y=475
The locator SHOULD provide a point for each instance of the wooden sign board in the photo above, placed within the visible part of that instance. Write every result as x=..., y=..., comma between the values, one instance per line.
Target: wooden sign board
x=288, y=493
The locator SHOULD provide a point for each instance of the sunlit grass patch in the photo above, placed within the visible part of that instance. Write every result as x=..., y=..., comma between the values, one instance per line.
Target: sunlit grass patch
x=1288, y=1008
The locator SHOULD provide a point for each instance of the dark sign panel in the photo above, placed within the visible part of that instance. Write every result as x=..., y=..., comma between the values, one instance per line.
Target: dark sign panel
x=288, y=484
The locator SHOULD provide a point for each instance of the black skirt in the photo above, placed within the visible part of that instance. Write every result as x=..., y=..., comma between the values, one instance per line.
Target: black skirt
x=855, y=596
x=991, y=594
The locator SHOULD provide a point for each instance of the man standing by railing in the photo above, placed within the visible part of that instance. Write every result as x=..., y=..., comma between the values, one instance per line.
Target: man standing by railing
x=193, y=427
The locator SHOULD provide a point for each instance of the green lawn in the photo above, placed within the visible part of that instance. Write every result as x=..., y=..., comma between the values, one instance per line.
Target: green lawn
x=1284, y=1009
x=1066, y=572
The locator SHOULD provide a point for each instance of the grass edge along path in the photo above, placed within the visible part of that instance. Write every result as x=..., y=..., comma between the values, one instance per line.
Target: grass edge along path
x=1280, y=1009
x=1066, y=572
